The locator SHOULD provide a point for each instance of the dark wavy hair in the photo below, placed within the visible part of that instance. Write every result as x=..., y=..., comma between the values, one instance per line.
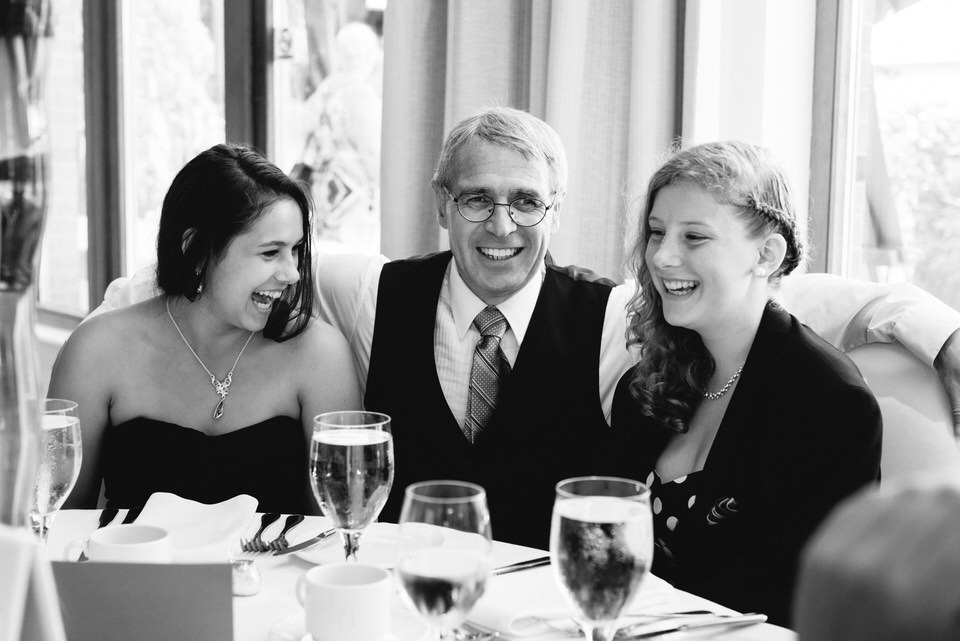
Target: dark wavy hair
x=675, y=366
x=219, y=195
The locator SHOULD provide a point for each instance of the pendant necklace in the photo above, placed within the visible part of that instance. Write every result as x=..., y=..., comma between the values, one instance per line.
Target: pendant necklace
x=713, y=396
x=222, y=388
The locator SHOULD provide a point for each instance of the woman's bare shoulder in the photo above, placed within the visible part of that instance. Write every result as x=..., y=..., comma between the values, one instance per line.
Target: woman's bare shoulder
x=127, y=319
x=116, y=331
x=319, y=336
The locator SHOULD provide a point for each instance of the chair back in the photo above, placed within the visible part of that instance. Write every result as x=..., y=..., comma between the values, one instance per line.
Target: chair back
x=917, y=424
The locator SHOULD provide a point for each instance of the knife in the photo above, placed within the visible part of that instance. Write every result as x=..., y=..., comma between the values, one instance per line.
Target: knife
x=522, y=565
x=746, y=619
x=308, y=543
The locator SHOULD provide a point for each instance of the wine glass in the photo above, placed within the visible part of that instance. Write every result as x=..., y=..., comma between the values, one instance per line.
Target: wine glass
x=59, y=463
x=351, y=470
x=443, y=551
x=601, y=547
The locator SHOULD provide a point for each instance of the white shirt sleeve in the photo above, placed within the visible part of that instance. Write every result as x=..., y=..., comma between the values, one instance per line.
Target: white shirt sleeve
x=849, y=313
x=347, y=286
x=615, y=358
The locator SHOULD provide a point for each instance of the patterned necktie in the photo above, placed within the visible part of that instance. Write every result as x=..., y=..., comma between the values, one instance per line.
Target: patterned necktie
x=490, y=370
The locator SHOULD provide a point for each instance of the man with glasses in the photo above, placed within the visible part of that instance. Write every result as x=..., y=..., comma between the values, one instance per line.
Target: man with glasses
x=527, y=413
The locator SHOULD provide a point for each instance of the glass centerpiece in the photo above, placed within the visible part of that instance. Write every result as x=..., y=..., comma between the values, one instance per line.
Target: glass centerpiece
x=24, y=28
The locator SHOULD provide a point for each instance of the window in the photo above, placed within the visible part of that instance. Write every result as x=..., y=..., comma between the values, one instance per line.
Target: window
x=172, y=97
x=134, y=90
x=62, y=280
x=897, y=166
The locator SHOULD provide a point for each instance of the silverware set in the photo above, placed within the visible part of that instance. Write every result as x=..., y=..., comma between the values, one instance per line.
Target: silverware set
x=257, y=545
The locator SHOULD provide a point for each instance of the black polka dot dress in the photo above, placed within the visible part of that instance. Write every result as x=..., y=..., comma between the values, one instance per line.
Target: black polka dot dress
x=672, y=505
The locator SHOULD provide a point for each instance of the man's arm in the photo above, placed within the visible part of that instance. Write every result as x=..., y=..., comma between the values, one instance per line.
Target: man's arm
x=849, y=313
x=347, y=292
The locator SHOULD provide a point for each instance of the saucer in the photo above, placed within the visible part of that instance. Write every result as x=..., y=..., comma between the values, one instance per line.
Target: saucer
x=378, y=546
x=404, y=626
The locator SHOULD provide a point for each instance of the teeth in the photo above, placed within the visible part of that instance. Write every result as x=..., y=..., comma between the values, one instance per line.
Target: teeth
x=264, y=299
x=680, y=286
x=499, y=254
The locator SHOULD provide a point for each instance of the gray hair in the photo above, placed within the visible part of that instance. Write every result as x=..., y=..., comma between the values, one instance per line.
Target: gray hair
x=511, y=128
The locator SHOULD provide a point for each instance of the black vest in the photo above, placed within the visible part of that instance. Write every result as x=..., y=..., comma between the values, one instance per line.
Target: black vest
x=548, y=426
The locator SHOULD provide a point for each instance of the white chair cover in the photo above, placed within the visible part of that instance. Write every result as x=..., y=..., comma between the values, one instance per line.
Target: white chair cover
x=917, y=423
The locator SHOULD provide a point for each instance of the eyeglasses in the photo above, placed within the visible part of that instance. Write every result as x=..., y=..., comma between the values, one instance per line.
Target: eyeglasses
x=525, y=211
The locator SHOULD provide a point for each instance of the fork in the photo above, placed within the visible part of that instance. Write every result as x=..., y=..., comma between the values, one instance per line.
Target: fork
x=257, y=544
x=280, y=543
x=469, y=631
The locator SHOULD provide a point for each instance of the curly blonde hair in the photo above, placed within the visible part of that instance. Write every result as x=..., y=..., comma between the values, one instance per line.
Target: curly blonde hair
x=675, y=366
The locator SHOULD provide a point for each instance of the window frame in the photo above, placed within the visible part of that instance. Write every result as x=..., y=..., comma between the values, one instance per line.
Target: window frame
x=832, y=150
x=247, y=43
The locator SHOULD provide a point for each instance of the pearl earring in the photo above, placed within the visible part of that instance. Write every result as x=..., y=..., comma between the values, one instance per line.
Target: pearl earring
x=760, y=272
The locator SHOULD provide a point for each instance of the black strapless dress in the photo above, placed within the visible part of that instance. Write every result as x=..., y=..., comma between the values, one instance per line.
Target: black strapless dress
x=268, y=460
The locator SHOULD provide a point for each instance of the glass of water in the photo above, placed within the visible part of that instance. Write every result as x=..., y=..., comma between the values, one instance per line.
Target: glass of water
x=61, y=454
x=351, y=470
x=443, y=553
x=601, y=547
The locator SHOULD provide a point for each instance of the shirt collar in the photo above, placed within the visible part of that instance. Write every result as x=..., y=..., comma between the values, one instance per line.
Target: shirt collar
x=517, y=309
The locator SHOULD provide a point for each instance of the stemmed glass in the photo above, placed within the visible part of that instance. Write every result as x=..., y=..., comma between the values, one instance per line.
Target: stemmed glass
x=443, y=552
x=601, y=547
x=351, y=470
x=59, y=462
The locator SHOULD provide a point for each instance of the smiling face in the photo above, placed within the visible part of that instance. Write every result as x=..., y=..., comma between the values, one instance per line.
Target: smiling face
x=701, y=261
x=496, y=258
x=257, y=266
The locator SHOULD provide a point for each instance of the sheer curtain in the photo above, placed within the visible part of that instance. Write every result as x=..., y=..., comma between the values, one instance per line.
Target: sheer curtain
x=605, y=74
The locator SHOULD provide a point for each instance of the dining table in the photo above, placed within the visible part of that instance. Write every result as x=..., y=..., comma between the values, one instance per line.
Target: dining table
x=273, y=613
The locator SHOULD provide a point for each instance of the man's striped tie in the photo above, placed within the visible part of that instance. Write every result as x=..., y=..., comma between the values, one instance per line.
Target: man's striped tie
x=490, y=371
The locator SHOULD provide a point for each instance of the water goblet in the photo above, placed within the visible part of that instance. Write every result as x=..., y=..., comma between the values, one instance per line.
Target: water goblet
x=351, y=470
x=601, y=547
x=59, y=462
x=443, y=552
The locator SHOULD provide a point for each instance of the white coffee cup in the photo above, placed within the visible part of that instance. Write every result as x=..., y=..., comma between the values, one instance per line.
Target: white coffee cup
x=127, y=543
x=346, y=601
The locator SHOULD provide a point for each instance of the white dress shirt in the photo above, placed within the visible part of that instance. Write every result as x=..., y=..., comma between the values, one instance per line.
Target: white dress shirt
x=455, y=338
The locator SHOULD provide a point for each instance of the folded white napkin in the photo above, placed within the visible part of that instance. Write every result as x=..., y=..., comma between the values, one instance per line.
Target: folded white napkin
x=529, y=602
x=200, y=533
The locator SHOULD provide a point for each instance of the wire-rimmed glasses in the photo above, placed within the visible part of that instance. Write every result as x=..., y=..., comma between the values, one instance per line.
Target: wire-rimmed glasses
x=525, y=211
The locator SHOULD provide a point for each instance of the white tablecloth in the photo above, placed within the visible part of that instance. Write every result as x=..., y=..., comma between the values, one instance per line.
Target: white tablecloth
x=263, y=616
